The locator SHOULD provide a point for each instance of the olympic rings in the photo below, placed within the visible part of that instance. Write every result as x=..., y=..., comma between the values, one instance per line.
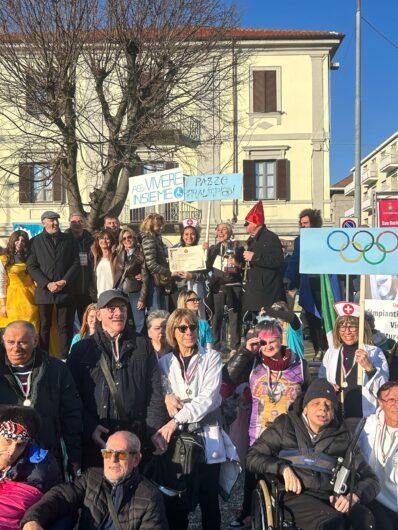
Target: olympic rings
x=362, y=248
x=383, y=256
x=363, y=232
x=338, y=232
x=388, y=232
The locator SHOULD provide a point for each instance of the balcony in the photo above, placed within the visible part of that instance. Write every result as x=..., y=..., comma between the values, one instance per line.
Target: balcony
x=173, y=212
x=177, y=129
x=349, y=189
x=349, y=213
x=367, y=205
x=369, y=175
x=389, y=162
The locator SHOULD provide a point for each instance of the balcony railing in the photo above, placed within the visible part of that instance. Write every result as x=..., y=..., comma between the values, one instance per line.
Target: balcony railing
x=367, y=205
x=370, y=174
x=349, y=189
x=173, y=212
x=389, y=162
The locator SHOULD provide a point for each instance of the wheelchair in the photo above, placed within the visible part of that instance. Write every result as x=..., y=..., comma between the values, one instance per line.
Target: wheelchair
x=267, y=510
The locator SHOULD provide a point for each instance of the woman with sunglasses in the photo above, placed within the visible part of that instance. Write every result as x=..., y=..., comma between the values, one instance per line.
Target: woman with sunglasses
x=340, y=367
x=276, y=376
x=130, y=274
x=193, y=376
x=190, y=300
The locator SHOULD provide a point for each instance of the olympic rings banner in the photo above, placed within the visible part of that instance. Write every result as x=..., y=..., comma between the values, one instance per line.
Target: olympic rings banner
x=349, y=251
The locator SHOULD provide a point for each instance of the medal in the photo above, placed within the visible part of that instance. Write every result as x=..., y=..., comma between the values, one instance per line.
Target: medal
x=27, y=403
x=188, y=391
x=344, y=384
x=189, y=375
x=118, y=365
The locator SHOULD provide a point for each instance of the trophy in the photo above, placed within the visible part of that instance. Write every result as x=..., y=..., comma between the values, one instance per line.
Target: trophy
x=232, y=266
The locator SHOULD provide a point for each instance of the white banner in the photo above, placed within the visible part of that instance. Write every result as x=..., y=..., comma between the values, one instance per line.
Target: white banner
x=159, y=187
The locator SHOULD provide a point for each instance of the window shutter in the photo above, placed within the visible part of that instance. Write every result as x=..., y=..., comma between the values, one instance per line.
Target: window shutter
x=170, y=165
x=57, y=182
x=270, y=91
x=258, y=91
x=249, y=181
x=282, y=179
x=25, y=183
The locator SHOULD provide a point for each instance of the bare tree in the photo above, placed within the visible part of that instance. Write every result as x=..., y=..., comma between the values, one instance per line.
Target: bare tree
x=89, y=82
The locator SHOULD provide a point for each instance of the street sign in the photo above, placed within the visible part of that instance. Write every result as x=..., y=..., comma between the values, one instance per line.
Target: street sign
x=348, y=222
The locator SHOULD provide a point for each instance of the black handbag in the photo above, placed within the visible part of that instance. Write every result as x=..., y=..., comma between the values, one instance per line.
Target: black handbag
x=176, y=472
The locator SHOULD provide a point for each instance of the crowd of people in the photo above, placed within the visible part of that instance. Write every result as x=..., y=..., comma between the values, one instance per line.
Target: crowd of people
x=130, y=394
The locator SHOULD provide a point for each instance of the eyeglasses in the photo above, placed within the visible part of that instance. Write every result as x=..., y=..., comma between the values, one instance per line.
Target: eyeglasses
x=112, y=309
x=390, y=401
x=119, y=455
x=265, y=342
x=183, y=328
x=194, y=300
x=127, y=238
x=351, y=329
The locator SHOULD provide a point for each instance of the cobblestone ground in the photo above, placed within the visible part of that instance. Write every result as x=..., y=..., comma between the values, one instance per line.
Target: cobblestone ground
x=229, y=510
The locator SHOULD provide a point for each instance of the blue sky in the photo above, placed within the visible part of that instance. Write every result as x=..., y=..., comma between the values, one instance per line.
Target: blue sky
x=379, y=65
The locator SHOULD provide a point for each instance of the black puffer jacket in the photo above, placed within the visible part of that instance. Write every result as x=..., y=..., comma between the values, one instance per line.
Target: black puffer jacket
x=137, y=379
x=288, y=432
x=155, y=254
x=54, y=396
x=128, y=267
x=141, y=508
x=52, y=259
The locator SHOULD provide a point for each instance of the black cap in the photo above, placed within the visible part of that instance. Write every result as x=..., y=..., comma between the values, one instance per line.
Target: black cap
x=48, y=214
x=107, y=296
x=320, y=388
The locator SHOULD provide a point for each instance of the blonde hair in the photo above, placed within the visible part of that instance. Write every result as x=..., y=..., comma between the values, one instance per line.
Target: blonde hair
x=183, y=298
x=84, y=327
x=147, y=224
x=349, y=320
x=130, y=231
x=178, y=317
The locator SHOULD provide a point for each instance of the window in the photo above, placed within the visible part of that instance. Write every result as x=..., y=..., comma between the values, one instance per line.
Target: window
x=40, y=182
x=265, y=91
x=35, y=97
x=266, y=179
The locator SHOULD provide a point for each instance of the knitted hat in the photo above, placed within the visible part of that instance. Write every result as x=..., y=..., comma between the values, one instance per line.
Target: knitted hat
x=256, y=214
x=320, y=388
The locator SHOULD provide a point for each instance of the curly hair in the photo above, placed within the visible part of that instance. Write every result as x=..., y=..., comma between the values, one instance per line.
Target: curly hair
x=147, y=224
x=314, y=216
x=10, y=249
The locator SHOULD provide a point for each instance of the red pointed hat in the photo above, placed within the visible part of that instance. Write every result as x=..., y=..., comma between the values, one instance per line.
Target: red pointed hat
x=256, y=214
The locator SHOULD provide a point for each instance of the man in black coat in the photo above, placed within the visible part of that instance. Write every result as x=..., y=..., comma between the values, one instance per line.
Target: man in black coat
x=137, y=503
x=83, y=240
x=302, y=447
x=54, y=264
x=264, y=258
x=136, y=403
x=30, y=377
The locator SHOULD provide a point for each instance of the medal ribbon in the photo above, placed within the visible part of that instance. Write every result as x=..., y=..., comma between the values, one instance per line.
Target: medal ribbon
x=28, y=385
x=382, y=439
x=345, y=373
x=270, y=392
x=189, y=375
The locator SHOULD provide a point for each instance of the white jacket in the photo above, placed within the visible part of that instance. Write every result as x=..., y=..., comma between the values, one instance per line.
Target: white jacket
x=370, y=387
x=387, y=472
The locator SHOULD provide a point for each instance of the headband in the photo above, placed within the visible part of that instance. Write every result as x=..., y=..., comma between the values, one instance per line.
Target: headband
x=14, y=431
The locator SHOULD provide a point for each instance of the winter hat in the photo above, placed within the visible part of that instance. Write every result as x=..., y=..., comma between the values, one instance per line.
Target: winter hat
x=256, y=214
x=320, y=388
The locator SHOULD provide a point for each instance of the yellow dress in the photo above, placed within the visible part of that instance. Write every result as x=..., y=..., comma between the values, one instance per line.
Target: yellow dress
x=20, y=295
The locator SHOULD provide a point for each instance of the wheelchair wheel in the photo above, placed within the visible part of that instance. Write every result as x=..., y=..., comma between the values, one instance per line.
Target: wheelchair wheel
x=262, y=516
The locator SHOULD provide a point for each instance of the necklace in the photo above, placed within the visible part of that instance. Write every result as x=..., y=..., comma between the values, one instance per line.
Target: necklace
x=271, y=392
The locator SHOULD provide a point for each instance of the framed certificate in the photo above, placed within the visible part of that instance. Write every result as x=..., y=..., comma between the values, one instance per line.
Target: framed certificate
x=187, y=259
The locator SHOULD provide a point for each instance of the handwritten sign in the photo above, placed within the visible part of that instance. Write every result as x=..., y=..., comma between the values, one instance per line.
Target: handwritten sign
x=213, y=187
x=159, y=187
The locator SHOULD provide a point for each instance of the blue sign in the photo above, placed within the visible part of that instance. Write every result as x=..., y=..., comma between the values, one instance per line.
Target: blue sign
x=213, y=187
x=348, y=251
x=31, y=228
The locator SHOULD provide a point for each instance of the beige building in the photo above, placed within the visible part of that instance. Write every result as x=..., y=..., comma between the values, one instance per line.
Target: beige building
x=275, y=129
x=379, y=175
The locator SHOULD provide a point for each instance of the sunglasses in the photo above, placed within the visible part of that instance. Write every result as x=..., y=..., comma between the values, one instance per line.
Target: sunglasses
x=127, y=238
x=120, y=455
x=194, y=299
x=265, y=342
x=113, y=308
x=183, y=328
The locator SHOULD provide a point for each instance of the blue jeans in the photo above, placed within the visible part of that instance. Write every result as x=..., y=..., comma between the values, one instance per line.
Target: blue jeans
x=156, y=297
x=138, y=314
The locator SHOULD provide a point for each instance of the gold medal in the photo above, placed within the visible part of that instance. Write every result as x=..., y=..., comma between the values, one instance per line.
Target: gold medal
x=118, y=365
x=27, y=403
x=344, y=384
x=189, y=392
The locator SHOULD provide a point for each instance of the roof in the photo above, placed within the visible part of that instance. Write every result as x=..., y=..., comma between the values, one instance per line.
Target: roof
x=342, y=183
